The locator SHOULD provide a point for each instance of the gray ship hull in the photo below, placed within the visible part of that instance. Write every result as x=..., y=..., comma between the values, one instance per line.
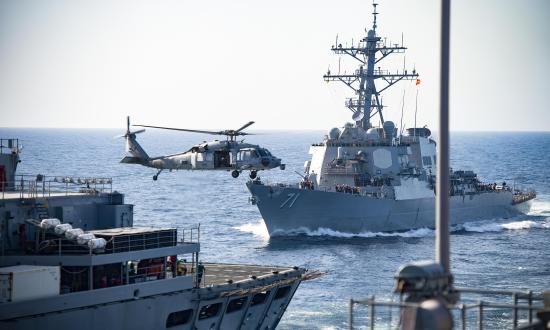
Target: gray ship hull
x=290, y=209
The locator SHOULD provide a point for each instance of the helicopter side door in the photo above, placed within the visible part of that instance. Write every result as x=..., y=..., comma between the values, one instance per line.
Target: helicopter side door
x=222, y=159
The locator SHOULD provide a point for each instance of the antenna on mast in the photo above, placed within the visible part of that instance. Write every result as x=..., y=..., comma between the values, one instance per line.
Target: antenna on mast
x=369, y=52
x=402, y=109
x=374, y=13
x=415, y=111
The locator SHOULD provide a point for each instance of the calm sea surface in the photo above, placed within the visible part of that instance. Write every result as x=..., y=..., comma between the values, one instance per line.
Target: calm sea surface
x=495, y=253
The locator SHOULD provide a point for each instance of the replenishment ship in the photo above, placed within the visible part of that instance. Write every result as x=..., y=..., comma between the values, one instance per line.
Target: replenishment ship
x=363, y=178
x=70, y=256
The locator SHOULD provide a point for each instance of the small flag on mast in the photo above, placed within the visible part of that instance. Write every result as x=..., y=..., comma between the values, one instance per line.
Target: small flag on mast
x=417, y=82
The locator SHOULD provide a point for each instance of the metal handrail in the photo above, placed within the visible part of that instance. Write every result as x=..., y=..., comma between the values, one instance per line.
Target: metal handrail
x=193, y=234
x=29, y=186
x=480, y=306
x=67, y=247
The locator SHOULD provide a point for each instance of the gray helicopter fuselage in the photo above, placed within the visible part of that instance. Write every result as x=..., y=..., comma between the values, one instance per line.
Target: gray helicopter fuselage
x=213, y=155
x=218, y=155
x=229, y=155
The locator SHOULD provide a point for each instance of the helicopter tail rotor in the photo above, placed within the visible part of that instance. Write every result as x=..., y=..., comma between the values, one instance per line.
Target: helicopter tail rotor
x=133, y=148
x=128, y=132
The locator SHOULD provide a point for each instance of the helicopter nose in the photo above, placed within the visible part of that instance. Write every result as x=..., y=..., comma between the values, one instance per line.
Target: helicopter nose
x=276, y=162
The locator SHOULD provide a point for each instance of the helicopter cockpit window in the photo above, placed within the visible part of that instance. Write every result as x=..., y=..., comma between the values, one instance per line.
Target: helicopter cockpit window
x=262, y=152
x=245, y=155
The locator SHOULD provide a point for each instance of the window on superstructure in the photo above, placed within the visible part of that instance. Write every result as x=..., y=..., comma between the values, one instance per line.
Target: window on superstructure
x=427, y=160
x=236, y=305
x=208, y=311
x=178, y=318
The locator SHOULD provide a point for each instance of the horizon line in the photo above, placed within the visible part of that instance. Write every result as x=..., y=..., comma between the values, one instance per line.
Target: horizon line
x=272, y=129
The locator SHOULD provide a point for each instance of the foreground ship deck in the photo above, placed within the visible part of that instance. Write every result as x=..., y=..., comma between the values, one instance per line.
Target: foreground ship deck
x=71, y=256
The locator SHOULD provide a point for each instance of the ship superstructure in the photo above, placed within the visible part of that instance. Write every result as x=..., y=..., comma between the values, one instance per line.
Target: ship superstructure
x=366, y=178
x=70, y=255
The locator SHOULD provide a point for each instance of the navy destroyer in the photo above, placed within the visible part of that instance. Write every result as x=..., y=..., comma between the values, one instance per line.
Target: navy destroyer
x=70, y=256
x=364, y=178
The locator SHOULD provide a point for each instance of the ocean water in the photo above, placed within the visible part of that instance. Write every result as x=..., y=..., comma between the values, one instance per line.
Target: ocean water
x=493, y=253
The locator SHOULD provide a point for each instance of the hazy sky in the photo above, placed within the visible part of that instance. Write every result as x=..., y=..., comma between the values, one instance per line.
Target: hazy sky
x=219, y=64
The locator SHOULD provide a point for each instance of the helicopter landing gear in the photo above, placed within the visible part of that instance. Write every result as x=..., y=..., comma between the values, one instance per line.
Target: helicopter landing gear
x=156, y=176
x=253, y=174
x=235, y=174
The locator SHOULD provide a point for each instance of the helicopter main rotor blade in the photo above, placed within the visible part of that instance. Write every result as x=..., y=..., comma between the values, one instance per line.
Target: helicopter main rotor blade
x=244, y=126
x=183, y=129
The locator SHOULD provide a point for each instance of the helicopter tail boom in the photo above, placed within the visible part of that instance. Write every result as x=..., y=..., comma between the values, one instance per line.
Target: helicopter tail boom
x=133, y=160
x=136, y=153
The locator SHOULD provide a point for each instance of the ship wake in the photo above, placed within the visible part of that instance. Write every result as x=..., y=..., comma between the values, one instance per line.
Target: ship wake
x=495, y=225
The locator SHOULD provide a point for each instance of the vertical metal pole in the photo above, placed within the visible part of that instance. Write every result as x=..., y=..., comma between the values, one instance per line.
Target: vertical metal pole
x=442, y=195
x=91, y=278
x=371, y=310
x=530, y=304
x=164, y=271
x=389, y=323
x=350, y=315
x=480, y=315
x=463, y=316
x=515, y=310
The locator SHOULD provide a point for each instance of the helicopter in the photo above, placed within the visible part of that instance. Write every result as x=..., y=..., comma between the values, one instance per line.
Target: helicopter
x=225, y=155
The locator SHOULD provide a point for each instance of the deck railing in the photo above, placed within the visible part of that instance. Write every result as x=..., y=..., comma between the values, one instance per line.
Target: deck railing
x=191, y=235
x=502, y=309
x=29, y=186
x=49, y=242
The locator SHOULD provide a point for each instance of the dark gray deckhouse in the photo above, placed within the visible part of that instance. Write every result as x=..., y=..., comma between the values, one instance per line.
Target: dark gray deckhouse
x=71, y=257
x=364, y=178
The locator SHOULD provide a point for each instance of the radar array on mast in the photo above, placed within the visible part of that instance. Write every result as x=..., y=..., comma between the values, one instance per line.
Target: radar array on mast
x=368, y=102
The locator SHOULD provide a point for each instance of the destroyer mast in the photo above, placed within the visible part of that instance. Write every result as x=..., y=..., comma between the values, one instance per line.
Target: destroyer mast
x=368, y=102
